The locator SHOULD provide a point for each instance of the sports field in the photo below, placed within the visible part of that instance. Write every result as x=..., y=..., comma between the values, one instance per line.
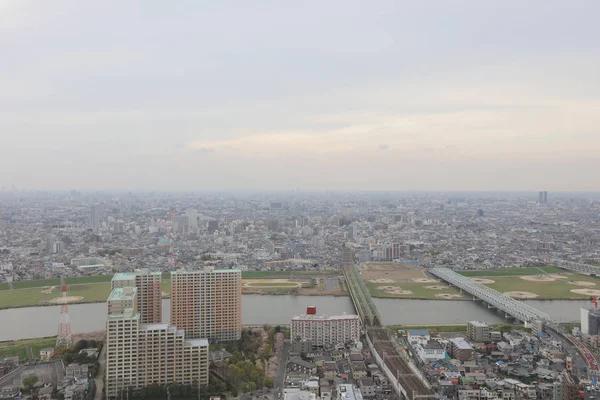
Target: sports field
x=512, y=271
x=414, y=290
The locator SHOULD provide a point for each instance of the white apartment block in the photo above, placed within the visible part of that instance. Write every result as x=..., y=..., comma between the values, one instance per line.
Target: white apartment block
x=322, y=330
x=139, y=355
x=207, y=303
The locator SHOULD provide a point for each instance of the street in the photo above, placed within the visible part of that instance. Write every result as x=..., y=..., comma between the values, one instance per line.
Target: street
x=285, y=351
x=100, y=374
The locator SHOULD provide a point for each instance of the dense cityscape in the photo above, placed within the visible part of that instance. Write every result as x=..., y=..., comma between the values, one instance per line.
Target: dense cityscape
x=205, y=253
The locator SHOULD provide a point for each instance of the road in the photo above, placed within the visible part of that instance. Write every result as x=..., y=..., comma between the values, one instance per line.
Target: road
x=285, y=352
x=100, y=375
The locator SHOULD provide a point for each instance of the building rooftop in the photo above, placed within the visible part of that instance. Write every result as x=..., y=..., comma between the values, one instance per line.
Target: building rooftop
x=479, y=324
x=196, y=342
x=349, y=392
x=206, y=270
x=123, y=276
x=127, y=293
x=418, y=332
x=461, y=343
x=308, y=317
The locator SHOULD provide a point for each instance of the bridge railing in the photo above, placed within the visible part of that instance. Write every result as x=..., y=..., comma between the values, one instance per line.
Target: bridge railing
x=518, y=309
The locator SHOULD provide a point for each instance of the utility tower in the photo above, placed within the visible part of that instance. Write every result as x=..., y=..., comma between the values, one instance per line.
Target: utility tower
x=64, y=338
x=171, y=255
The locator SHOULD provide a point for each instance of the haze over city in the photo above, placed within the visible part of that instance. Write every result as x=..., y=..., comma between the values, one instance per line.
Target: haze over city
x=437, y=95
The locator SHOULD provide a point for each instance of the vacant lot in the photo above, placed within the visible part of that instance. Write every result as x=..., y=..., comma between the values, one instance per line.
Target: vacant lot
x=512, y=271
x=391, y=272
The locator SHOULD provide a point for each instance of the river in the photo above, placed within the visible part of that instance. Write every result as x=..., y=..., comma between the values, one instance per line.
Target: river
x=32, y=322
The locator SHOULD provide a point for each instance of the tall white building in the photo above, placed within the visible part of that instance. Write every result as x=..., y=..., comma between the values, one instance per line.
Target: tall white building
x=140, y=355
x=322, y=330
x=94, y=218
x=192, y=216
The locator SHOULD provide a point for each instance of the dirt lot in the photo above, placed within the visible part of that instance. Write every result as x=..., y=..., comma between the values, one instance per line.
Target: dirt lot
x=388, y=272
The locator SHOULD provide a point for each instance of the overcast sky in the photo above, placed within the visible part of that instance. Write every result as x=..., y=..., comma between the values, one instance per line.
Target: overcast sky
x=365, y=95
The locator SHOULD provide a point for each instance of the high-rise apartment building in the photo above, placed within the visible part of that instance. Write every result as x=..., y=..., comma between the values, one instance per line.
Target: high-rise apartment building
x=322, y=330
x=140, y=355
x=149, y=294
x=94, y=218
x=207, y=303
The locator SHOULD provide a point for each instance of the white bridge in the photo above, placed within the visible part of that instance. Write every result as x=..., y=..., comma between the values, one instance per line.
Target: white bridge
x=576, y=267
x=510, y=306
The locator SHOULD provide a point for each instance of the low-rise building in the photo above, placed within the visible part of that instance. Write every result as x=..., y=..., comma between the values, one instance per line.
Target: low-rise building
x=367, y=387
x=299, y=365
x=323, y=330
x=478, y=331
x=461, y=349
x=431, y=351
x=421, y=336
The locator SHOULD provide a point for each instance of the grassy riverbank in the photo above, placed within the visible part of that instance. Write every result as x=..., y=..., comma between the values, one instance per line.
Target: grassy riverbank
x=19, y=348
x=97, y=288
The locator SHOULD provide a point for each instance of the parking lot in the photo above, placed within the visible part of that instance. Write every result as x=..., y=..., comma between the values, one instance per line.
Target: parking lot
x=46, y=372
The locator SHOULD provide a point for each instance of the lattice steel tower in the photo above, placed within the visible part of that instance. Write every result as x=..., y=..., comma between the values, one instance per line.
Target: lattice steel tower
x=64, y=337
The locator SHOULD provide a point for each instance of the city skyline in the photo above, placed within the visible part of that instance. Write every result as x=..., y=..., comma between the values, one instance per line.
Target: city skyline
x=393, y=96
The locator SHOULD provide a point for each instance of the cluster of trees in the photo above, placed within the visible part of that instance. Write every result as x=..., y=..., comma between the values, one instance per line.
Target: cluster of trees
x=71, y=354
x=30, y=382
x=178, y=391
x=245, y=369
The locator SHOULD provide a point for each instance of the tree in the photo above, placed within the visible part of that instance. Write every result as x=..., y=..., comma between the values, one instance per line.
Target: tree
x=30, y=381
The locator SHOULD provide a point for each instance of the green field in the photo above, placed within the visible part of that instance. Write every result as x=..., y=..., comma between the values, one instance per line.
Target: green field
x=271, y=284
x=419, y=290
x=437, y=328
x=557, y=289
x=280, y=274
x=513, y=271
x=19, y=347
x=89, y=279
x=35, y=296
x=3, y=286
x=32, y=284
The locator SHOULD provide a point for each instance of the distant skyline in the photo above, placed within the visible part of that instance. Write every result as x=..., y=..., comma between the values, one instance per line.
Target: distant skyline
x=438, y=95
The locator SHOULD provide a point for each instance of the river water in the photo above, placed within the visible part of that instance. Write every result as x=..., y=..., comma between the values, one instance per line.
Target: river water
x=32, y=322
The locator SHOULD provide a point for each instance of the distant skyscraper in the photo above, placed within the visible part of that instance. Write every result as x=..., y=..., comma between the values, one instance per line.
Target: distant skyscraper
x=213, y=226
x=207, y=303
x=543, y=197
x=192, y=216
x=94, y=218
x=480, y=213
x=149, y=294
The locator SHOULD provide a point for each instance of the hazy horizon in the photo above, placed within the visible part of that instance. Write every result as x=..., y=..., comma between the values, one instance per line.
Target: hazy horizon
x=437, y=96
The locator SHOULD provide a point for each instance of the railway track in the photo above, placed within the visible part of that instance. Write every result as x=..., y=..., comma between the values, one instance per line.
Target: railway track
x=397, y=365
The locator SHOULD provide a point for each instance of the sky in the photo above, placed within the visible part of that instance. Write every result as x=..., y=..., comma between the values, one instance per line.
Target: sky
x=309, y=95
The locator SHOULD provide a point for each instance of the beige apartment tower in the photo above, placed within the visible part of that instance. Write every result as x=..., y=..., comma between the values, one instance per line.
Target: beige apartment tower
x=149, y=294
x=207, y=303
x=139, y=355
